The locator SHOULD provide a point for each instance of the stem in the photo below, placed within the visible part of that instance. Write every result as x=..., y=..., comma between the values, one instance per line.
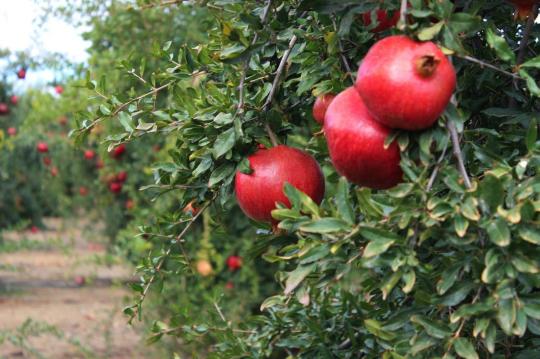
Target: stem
x=488, y=65
x=403, y=14
x=436, y=169
x=457, y=153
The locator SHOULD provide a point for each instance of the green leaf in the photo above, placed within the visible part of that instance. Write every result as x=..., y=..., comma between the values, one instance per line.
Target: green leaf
x=297, y=276
x=531, y=83
x=498, y=232
x=224, y=142
x=380, y=241
x=428, y=33
x=501, y=47
x=530, y=234
x=300, y=199
x=532, y=134
x=465, y=349
x=343, y=202
x=534, y=62
x=375, y=328
x=433, y=328
x=532, y=310
x=325, y=225
x=491, y=191
x=506, y=315
x=220, y=173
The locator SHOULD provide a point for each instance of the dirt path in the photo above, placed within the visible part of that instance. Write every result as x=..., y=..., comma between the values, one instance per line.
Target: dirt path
x=61, y=296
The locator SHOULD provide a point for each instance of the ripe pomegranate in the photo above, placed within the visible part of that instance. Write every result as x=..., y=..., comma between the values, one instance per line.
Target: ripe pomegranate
x=121, y=176
x=524, y=8
x=12, y=131
x=4, y=109
x=204, y=267
x=130, y=204
x=405, y=84
x=47, y=161
x=257, y=193
x=83, y=191
x=319, y=107
x=34, y=229
x=384, y=20
x=234, y=263
x=59, y=89
x=356, y=143
x=89, y=155
x=42, y=147
x=191, y=208
x=100, y=164
x=14, y=100
x=54, y=171
x=115, y=187
x=229, y=285
x=21, y=74
x=80, y=280
x=118, y=151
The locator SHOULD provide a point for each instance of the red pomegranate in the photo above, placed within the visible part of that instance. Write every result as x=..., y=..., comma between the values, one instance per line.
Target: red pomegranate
x=34, y=229
x=319, y=107
x=130, y=204
x=4, y=109
x=115, y=187
x=21, y=74
x=356, y=143
x=121, y=176
x=89, y=155
x=14, y=100
x=234, y=263
x=229, y=285
x=257, y=193
x=59, y=89
x=80, y=280
x=63, y=120
x=47, y=161
x=54, y=171
x=191, y=208
x=100, y=164
x=42, y=147
x=118, y=151
x=83, y=191
x=406, y=84
x=383, y=19
x=12, y=131
x=524, y=8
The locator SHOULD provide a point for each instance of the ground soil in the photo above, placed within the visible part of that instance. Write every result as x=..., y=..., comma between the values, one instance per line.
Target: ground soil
x=45, y=309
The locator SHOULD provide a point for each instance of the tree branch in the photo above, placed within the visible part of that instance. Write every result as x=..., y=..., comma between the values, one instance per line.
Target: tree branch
x=457, y=153
x=342, y=53
x=488, y=65
x=403, y=14
x=436, y=169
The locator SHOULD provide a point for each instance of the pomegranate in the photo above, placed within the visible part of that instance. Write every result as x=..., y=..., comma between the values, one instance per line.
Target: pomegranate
x=257, y=193
x=83, y=191
x=21, y=74
x=12, y=131
x=34, y=229
x=229, y=285
x=80, y=280
x=4, y=109
x=100, y=164
x=47, y=161
x=54, y=171
x=63, y=120
x=130, y=204
x=204, y=267
x=14, y=100
x=42, y=147
x=404, y=83
x=59, y=89
x=319, y=107
x=115, y=187
x=121, y=176
x=191, y=208
x=89, y=155
x=234, y=263
x=356, y=143
x=383, y=19
x=524, y=8
x=118, y=151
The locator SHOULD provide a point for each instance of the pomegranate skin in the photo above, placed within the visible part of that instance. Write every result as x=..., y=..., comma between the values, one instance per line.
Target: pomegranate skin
x=258, y=192
x=4, y=109
x=356, y=143
x=384, y=21
x=524, y=8
x=406, y=84
x=321, y=105
x=42, y=147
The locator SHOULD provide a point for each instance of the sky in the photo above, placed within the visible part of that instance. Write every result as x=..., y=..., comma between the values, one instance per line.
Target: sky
x=19, y=32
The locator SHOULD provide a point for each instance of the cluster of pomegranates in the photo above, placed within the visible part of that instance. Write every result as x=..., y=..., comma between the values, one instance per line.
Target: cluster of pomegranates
x=204, y=267
x=401, y=84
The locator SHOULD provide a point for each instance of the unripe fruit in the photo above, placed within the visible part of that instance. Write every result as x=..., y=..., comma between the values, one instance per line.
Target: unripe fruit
x=257, y=193
x=42, y=147
x=115, y=187
x=12, y=131
x=356, y=143
x=14, y=100
x=21, y=74
x=234, y=263
x=204, y=267
x=524, y=8
x=319, y=107
x=4, y=109
x=405, y=84
x=384, y=20
x=89, y=155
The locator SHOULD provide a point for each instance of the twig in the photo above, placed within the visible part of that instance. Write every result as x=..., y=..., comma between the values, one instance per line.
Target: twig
x=522, y=52
x=436, y=169
x=138, y=98
x=457, y=153
x=488, y=65
x=342, y=53
x=220, y=312
x=403, y=14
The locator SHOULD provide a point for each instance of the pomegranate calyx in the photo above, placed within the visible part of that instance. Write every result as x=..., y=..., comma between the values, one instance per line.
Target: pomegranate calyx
x=426, y=65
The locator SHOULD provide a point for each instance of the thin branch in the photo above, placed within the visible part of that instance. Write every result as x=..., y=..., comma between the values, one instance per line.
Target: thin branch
x=138, y=98
x=342, y=53
x=436, y=169
x=220, y=312
x=488, y=65
x=457, y=153
x=403, y=14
